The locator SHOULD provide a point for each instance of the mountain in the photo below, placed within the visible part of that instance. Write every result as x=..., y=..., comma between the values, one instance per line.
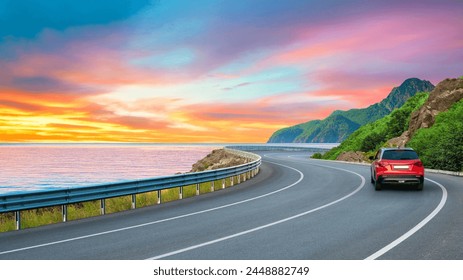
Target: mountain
x=369, y=137
x=330, y=130
x=289, y=135
x=340, y=124
x=444, y=96
x=431, y=123
x=436, y=130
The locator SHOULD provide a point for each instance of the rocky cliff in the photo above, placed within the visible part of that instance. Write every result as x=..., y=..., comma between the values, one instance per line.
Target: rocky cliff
x=446, y=93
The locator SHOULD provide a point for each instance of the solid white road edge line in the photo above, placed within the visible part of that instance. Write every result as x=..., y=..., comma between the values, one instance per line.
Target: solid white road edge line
x=362, y=184
x=163, y=220
x=416, y=228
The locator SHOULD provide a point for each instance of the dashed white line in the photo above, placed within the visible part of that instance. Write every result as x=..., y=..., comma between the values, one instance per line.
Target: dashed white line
x=163, y=220
x=267, y=225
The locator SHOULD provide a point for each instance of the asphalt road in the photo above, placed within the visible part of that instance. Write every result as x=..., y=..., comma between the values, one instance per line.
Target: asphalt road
x=295, y=208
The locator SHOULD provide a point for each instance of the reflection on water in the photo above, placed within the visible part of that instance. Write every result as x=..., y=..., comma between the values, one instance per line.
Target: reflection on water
x=34, y=167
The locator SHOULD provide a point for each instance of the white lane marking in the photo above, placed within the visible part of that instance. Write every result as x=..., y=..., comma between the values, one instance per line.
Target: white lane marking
x=163, y=220
x=362, y=184
x=416, y=228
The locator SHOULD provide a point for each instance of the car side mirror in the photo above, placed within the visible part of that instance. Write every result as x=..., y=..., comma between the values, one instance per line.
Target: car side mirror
x=371, y=157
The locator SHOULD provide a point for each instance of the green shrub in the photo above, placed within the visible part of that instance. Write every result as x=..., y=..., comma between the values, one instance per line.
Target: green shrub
x=371, y=142
x=317, y=156
x=441, y=145
x=372, y=136
x=43, y=216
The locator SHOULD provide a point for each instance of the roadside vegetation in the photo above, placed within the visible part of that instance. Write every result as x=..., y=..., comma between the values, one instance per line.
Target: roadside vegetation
x=43, y=216
x=441, y=145
x=372, y=136
x=51, y=215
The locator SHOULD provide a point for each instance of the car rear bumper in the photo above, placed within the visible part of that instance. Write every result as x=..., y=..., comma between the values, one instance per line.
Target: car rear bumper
x=401, y=179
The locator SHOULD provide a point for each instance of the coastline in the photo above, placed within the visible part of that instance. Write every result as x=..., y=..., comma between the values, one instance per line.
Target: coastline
x=31, y=167
x=75, y=211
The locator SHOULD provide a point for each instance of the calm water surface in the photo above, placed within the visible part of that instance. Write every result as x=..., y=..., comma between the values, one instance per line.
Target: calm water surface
x=35, y=167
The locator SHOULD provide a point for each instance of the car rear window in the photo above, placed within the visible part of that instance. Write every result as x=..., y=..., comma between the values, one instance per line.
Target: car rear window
x=400, y=154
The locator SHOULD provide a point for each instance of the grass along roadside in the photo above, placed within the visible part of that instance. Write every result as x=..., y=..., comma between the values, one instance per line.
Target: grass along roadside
x=50, y=215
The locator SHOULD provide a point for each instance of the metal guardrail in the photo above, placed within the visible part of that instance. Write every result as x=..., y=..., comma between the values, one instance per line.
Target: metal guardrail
x=269, y=147
x=39, y=199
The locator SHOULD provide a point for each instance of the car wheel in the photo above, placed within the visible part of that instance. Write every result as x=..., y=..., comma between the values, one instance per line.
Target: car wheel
x=419, y=187
x=377, y=185
x=371, y=179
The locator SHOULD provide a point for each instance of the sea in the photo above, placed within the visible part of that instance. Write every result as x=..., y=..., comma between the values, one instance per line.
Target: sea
x=32, y=167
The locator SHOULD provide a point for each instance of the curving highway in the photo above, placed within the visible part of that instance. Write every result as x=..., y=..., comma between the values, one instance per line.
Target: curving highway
x=296, y=208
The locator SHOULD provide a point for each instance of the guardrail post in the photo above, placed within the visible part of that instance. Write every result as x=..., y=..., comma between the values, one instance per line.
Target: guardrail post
x=134, y=201
x=64, y=208
x=103, y=206
x=17, y=215
x=103, y=192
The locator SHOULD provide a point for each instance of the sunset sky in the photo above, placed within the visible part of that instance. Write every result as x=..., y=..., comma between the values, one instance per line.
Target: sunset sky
x=209, y=71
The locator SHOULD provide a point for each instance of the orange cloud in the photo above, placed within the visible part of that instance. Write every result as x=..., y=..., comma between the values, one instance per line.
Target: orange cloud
x=55, y=88
x=29, y=117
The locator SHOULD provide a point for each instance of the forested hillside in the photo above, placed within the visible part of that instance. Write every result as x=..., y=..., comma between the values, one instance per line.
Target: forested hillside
x=431, y=123
x=340, y=124
x=374, y=135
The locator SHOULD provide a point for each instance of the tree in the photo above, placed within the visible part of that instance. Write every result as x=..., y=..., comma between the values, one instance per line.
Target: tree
x=371, y=142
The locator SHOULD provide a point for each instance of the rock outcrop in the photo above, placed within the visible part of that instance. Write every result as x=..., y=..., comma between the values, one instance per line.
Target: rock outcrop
x=399, y=141
x=446, y=93
x=352, y=156
x=218, y=159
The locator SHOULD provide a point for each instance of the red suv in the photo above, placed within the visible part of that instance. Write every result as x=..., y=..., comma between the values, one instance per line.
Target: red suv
x=397, y=166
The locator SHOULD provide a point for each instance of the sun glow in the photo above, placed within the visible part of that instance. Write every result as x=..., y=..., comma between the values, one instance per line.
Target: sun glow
x=176, y=73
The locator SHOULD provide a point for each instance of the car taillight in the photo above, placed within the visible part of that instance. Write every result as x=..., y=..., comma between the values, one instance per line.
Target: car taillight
x=418, y=163
x=381, y=164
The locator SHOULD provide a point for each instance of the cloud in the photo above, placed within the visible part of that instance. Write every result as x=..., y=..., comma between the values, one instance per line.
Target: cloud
x=45, y=84
x=68, y=127
x=20, y=105
x=27, y=18
x=268, y=111
x=237, y=86
x=210, y=71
